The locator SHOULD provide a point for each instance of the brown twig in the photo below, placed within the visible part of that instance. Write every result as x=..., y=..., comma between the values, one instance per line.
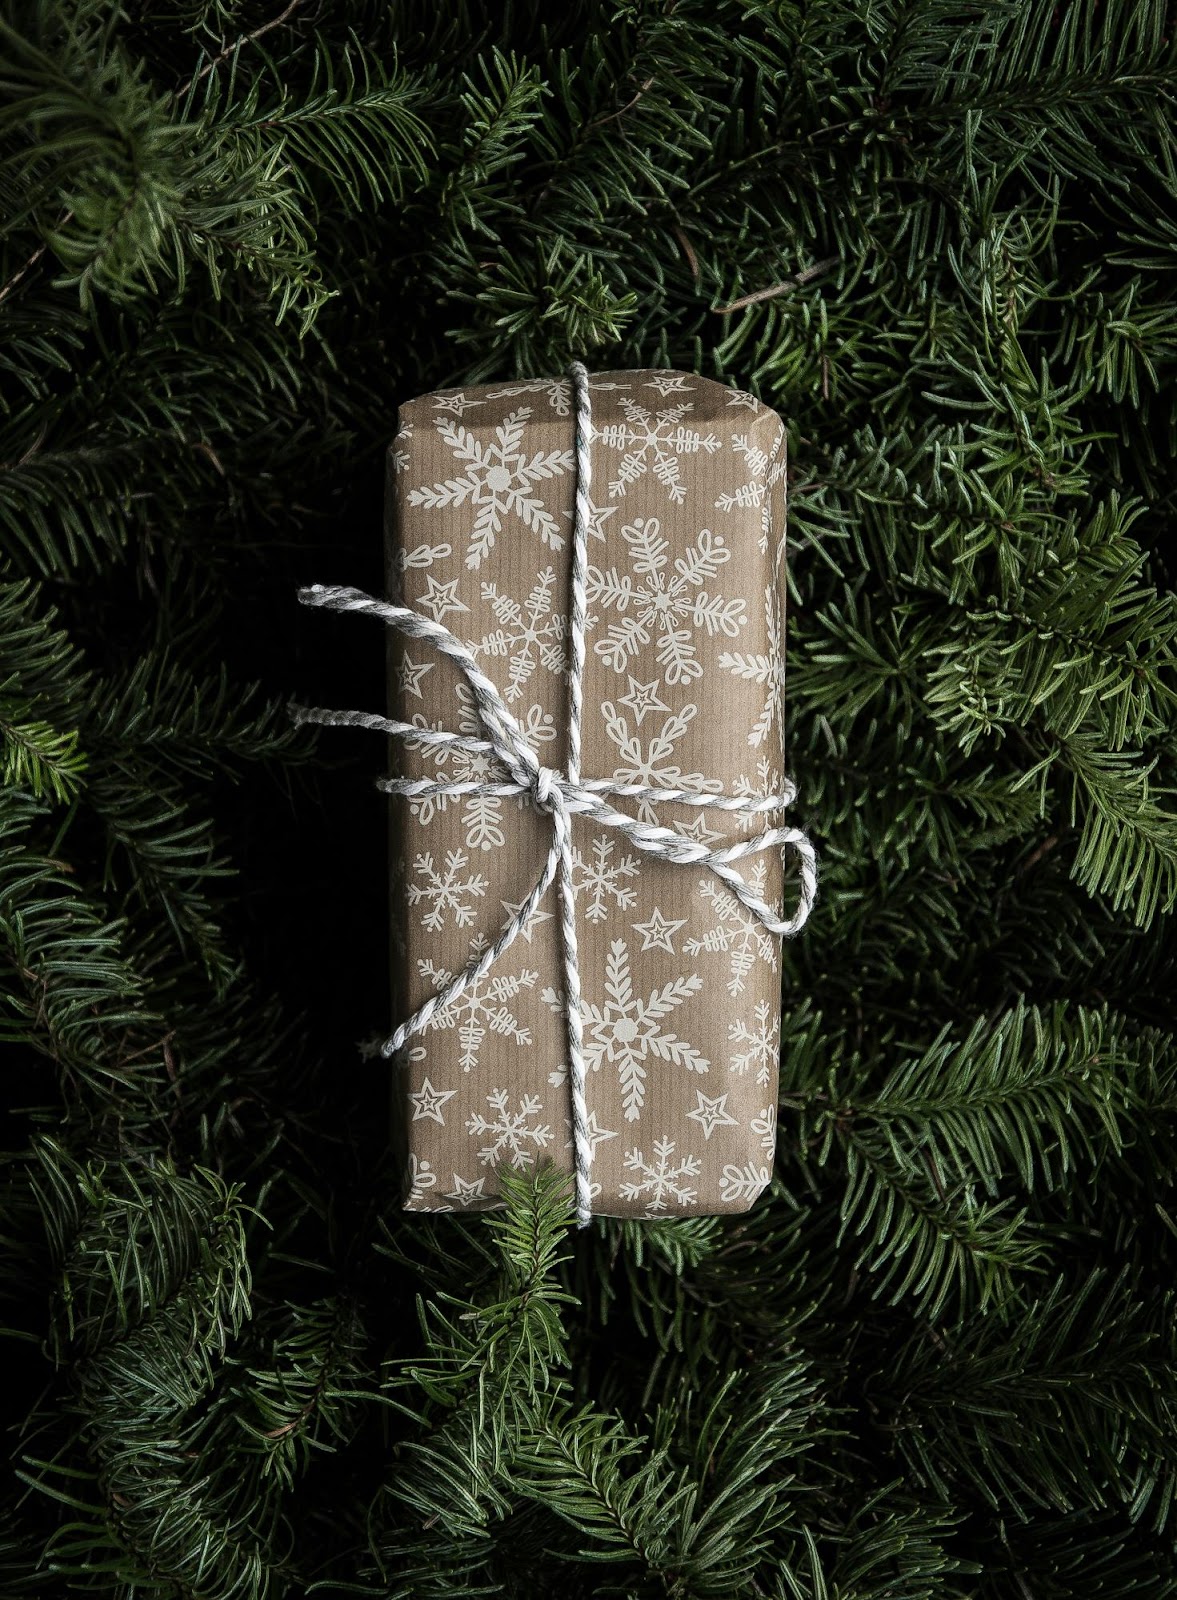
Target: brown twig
x=776, y=289
x=688, y=249
x=248, y=38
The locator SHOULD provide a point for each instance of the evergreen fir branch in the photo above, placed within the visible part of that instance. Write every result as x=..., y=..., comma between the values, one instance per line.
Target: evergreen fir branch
x=1070, y=1403
x=38, y=757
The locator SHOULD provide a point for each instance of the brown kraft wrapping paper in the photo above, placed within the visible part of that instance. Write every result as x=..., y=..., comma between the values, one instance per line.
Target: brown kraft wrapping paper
x=683, y=685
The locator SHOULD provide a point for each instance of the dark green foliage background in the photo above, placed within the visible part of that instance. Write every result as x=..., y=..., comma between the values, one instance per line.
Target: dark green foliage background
x=938, y=1359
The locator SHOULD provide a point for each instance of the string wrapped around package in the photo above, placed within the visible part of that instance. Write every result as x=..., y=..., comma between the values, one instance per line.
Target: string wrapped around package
x=659, y=603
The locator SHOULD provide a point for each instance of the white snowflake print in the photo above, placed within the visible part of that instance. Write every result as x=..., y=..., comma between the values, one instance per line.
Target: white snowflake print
x=422, y=1178
x=400, y=456
x=667, y=605
x=766, y=670
x=711, y=1112
x=653, y=441
x=738, y=934
x=755, y=1047
x=422, y=555
x=529, y=635
x=483, y=1008
x=482, y=814
x=499, y=482
x=765, y=1126
x=652, y=763
x=558, y=391
x=744, y=1183
x=446, y=891
x=661, y=1180
x=769, y=780
x=512, y=1136
x=600, y=878
x=627, y=1030
x=765, y=471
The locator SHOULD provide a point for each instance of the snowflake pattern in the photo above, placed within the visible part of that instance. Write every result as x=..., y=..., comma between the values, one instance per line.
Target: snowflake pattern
x=737, y=933
x=482, y=814
x=651, y=762
x=511, y=1134
x=446, y=892
x=765, y=1126
x=558, y=391
x=601, y=878
x=666, y=620
x=661, y=1180
x=756, y=1047
x=529, y=635
x=653, y=441
x=769, y=780
x=666, y=605
x=499, y=481
x=421, y=1178
x=627, y=1031
x=765, y=471
x=766, y=670
x=744, y=1183
x=483, y=1008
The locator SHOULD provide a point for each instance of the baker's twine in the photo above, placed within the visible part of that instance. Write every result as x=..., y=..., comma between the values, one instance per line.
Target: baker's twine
x=560, y=795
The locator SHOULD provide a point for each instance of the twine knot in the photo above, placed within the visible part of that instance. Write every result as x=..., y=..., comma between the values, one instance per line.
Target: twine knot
x=558, y=795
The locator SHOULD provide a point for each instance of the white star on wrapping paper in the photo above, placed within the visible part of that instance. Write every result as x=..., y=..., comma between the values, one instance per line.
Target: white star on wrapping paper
x=670, y=383
x=411, y=674
x=458, y=403
x=466, y=1191
x=711, y=1113
x=596, y=519
x=442, y=598
x=642, y=698
x=428, y=1101
x=596, y=1134
x=657, y=931
x=698, y=830
x=512, y=907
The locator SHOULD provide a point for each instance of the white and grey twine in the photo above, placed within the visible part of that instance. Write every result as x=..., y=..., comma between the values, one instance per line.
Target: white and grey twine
x=559, y=794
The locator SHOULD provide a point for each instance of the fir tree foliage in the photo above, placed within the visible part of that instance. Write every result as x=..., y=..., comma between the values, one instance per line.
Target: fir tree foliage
x=936, y=1360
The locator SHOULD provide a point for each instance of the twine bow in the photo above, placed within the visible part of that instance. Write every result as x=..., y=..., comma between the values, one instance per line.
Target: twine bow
x=560, y=795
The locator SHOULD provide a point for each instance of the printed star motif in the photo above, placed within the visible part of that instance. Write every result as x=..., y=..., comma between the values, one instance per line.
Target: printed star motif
x=711, y=1113
x=642, y=698
x=512, y=908
x=411, y=674
x=428, y=1101
x=698, y=830
x=458, y=403
x=594, y=1134
x=466, y=1191
x=442, y=598
x=594, y=523
x=740, y=397
x=670, y=383
x=656, y=933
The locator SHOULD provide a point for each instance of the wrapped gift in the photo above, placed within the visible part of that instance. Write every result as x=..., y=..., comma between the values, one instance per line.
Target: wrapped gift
x=683, y=536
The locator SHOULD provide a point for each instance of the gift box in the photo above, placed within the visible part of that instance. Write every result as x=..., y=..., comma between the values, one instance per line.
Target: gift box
x=683, y=681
